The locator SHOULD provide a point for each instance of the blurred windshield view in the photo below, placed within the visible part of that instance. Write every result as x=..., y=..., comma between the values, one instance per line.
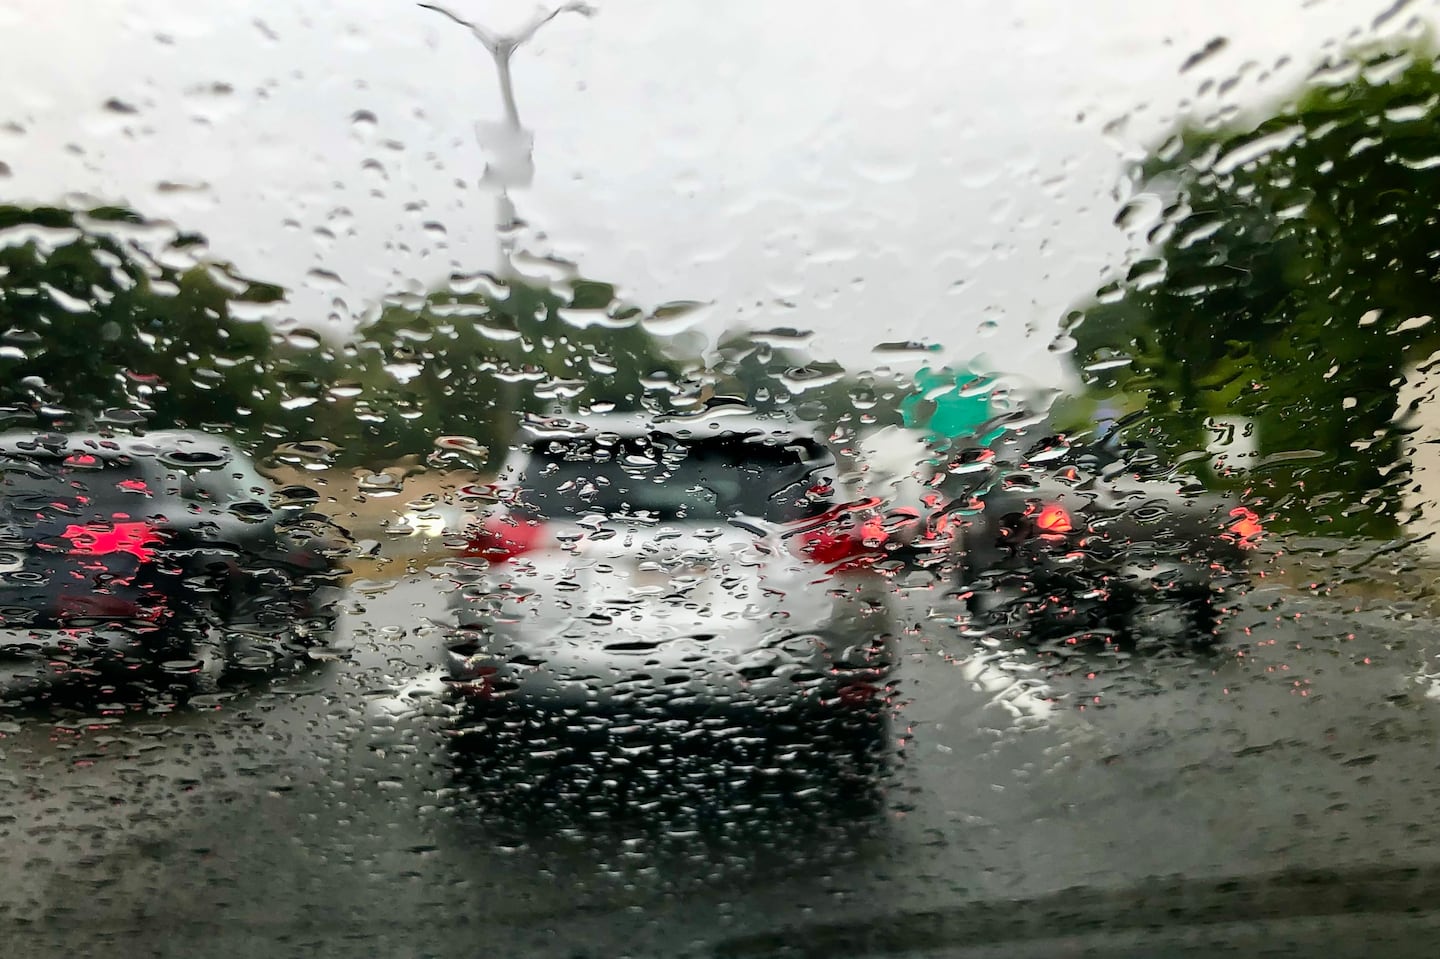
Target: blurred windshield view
x=686, y=480
x=719, y=480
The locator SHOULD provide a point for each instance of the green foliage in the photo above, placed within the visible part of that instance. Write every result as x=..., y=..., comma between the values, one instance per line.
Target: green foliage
x=108, y=318
x=468, y=360
x=1297, y=264
x=772, y=371
x=112, y=319
x=93, y=326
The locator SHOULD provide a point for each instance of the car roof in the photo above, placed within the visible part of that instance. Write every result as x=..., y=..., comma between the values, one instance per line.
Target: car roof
x=184, y=448
x=708, y=423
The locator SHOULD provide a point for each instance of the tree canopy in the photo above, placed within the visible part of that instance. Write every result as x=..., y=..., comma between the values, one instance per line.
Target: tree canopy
x=467, y=360
x=105, y=316
x=110, y=319
x=1294, y=275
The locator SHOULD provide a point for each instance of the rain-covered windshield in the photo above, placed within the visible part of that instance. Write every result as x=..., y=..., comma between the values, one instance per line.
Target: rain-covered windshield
x=88, y=485
x=696, y=479
x=672, y=479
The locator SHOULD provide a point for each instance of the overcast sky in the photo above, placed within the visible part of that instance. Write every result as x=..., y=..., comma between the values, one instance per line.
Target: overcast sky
x=878, y=171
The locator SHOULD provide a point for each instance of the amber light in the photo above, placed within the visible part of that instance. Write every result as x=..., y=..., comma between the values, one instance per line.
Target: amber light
x=1053, y=519
x=1247, y=528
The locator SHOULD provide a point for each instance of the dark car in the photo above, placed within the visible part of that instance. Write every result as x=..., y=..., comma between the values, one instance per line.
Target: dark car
x=118, y=552
x=669, y=581
x=1102, y=536
x=1049, y=536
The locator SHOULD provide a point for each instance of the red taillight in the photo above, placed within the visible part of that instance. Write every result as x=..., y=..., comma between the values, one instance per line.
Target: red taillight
x=825, y=546
x=837, y=536
x=499, y=540
x=104, y=539
x=1054, y=519
x=842, y=543
x=1247, y=528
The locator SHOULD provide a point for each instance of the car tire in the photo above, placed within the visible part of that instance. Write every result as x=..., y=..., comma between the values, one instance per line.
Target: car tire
x=164, y=672
x=1021, y=613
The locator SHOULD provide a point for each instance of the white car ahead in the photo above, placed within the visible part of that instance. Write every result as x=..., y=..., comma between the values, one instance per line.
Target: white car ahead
x=666, y=582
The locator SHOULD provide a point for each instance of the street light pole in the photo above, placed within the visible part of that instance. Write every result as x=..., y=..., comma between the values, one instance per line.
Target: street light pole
x=514, y=145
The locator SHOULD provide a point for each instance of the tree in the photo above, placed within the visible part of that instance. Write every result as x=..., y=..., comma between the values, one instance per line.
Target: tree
x=1295, y=272
x=468, y=360
x=105, y=316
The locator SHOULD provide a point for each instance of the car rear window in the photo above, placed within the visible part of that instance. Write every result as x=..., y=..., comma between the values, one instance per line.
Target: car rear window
x=668, y=478
x=233, y=482
x=76, y=483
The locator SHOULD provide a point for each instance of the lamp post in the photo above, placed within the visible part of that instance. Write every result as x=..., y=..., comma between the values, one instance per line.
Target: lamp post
x=511, y=145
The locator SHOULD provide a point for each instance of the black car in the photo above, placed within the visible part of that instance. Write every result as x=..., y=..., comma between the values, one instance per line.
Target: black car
x=1104, y=536
x=1052, y=536
x=118, y=554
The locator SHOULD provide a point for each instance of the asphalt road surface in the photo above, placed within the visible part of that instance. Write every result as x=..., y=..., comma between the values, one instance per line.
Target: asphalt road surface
x=323, y=813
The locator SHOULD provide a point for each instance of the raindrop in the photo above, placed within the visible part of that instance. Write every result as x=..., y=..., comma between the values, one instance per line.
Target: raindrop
x=669, y=319
x=463, y=444
x=303, y=339
x=1211, y=48
x=904, y=347
x=363, y=124
x=1140, y=213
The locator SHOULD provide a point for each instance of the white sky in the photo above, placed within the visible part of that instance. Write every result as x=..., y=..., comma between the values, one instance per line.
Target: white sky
x=875, y=171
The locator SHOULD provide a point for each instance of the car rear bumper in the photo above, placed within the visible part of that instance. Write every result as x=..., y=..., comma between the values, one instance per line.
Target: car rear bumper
x=1131, y=571
x=535, y=761
x=650, y=694
x=40, y=657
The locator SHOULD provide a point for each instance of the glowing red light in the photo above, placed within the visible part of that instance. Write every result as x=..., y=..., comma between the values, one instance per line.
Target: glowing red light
x=840, y=536
x=872, y=532
x=826, y=546
x=1053, y=519
x=133, y=486
x=1247, y=529
x=103, y=539
x=499, y=540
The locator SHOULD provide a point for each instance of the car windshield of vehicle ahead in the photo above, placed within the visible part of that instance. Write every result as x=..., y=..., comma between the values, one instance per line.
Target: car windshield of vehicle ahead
x=695, y=479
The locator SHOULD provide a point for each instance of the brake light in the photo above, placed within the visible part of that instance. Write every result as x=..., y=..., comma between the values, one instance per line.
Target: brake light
x=105, y=539
x=825, y=546
x=845, y=543
x=1054, y=519
x=1247, y=528
x=498, y=540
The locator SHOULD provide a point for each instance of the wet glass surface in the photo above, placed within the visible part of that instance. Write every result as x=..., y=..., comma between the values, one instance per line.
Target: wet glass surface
x=718, y=480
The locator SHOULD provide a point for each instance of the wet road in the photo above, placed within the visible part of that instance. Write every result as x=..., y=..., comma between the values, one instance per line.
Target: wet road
x=322, y=815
